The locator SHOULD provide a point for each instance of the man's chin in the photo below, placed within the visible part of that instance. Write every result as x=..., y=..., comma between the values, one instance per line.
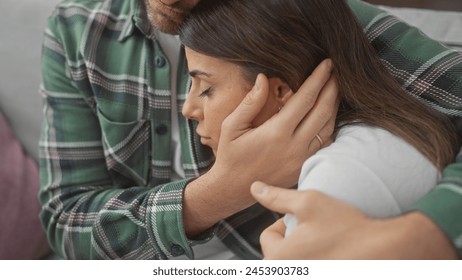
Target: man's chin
x=163, y=22
x=165, y=25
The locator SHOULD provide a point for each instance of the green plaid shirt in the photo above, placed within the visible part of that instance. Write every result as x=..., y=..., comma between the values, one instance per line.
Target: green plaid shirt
x=105, y=158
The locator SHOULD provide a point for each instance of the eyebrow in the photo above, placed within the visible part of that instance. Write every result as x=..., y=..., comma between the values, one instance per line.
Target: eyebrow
x=195, y=73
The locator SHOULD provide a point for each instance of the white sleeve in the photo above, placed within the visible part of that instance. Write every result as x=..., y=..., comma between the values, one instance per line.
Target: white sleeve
x=371, y=169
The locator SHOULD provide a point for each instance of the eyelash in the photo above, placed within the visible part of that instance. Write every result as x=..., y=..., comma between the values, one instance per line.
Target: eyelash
x=206, y=92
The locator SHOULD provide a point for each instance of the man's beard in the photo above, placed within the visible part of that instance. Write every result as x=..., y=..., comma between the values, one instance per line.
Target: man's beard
x=160, y=21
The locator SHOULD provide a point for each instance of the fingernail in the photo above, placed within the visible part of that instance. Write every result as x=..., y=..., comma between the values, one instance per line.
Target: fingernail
x=257, y=82
x=330, y=65
x=260, y=188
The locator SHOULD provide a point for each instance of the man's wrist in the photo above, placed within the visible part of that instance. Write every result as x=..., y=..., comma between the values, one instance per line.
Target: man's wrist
x=434, y=242
x=211, y=198
x=415, y=236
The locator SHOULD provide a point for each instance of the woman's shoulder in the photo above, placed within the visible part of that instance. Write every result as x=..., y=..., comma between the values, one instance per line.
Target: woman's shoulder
x=371, y=168
x=373, y=148
x=365, y=133
x=371, y=143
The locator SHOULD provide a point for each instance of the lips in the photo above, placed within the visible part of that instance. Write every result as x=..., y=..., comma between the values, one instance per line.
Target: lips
x=204, y=139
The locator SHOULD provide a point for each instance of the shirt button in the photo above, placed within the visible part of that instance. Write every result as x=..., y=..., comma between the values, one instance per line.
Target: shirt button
x=161, y=129
x=177, y=250
x=160, y=61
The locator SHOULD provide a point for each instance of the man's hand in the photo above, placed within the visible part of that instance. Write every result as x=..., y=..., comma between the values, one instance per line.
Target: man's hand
x=273, y=152
x=330, y=229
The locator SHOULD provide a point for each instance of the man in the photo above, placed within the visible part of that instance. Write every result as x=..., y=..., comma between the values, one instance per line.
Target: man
x=118, y=164
x=122, y=174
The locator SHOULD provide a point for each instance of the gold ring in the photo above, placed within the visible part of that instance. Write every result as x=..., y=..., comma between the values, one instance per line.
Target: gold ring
x=319, y=139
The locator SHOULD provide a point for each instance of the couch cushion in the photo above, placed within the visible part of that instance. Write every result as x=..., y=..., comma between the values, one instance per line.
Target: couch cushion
x=21, y=27
x=21, y=234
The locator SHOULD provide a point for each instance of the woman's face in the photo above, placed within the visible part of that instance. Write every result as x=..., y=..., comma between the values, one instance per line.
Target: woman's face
x=217, y=89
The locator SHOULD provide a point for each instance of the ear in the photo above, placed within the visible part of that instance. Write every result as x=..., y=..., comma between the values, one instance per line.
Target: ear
x=279, y=91
x=278, y=94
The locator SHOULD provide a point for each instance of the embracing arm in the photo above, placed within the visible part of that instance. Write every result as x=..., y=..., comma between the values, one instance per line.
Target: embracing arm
x=410, y=236
x=423, y=61
x=443, y=206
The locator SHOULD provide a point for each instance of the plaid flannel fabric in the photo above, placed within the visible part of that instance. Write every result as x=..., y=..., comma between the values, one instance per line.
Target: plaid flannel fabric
x=105, y=160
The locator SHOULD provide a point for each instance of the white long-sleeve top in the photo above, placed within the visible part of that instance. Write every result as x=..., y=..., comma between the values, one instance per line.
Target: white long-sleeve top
x=371, y=169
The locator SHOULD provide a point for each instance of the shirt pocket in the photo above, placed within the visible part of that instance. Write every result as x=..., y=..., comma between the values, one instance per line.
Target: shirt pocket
x=126, y=149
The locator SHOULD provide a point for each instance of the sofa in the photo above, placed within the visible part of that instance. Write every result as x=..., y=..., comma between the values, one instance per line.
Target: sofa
x=21, y=28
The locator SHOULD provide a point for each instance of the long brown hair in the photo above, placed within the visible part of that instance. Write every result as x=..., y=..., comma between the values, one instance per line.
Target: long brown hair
x=289, y=38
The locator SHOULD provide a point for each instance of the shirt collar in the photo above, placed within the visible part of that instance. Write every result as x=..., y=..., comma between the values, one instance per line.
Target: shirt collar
x=138, y=19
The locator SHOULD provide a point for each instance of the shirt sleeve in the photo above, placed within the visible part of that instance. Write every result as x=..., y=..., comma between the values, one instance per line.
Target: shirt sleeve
x=416, y=60
x=85, y=214
x=444, y=204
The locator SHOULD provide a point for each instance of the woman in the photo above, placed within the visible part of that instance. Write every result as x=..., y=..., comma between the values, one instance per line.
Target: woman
x=389, y=148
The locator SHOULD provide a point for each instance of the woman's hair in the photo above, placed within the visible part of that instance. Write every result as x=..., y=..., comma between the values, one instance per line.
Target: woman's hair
x=289, y=38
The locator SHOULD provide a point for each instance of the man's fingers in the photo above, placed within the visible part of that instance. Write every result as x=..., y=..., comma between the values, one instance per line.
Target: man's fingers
x=241, y=118
x=272, y=236
x=303, y=101
x=273, y=198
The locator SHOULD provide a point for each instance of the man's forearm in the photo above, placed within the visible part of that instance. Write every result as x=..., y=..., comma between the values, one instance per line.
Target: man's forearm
x=211, y=198
x=413, y=236
x=336, y=230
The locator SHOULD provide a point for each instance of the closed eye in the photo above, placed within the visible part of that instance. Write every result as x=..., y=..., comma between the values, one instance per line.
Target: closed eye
x=206, y=93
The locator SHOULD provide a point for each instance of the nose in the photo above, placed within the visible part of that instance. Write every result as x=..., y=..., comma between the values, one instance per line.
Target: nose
x=192, y=108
